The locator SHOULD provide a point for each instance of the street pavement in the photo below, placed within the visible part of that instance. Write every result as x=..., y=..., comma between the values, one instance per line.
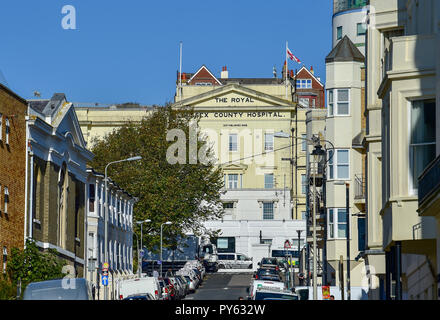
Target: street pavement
x=221, y=286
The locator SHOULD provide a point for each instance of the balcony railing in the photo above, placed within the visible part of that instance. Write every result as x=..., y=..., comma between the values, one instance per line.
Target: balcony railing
x=359, y=187
x=429, y=180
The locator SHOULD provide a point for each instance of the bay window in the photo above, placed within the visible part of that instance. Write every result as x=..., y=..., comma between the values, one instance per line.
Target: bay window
x=339, y=164
x=337, y=223
x=338, y=102
x=422, y=138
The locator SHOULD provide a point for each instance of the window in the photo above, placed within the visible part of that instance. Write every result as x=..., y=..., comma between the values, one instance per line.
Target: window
x=337, y=223
x=361, y=234
x=228, y=205
x=268, y=181
x=339, y=164
x=225, y=244
x=233, y=142
x=304, y=142
x=268, y=141
x=340, y=107
x=361, y=29
x=330, y=103
x=7, y=128
x=422, y=137
x=6, y=200
x=304, y=83
x=233, y=181
x=303, y=215
x=267, y=210
x=5, y=258
x=339, y=33
x=91, y=197
x=303, y=183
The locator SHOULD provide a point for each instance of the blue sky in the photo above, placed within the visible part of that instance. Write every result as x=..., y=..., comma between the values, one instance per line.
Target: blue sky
x=128, y=51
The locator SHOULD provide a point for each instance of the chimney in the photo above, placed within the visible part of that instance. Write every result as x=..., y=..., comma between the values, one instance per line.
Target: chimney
x=311, y=70
x=224, y=74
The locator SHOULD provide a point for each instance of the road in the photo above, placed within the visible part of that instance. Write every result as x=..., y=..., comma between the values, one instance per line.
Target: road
x=221, y=286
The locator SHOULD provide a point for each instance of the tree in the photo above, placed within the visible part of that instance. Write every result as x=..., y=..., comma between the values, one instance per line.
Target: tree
x=31, y=265
x=183, y=193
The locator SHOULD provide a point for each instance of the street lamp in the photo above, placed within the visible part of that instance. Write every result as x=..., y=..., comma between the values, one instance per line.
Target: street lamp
x=106, y=213
x=161, y=262
x=142, y=248
x=318, y=156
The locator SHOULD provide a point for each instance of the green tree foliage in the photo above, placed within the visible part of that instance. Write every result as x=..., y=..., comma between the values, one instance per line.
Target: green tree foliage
x=7, y=290
x=186, y=194
x=32, y=265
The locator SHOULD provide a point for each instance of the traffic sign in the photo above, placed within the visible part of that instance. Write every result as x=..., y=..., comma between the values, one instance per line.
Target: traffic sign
x=287, y=244
x=105, y=280
x=105, y=266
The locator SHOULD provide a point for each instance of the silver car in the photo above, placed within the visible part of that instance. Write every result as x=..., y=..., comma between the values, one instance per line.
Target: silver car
x=59, y=289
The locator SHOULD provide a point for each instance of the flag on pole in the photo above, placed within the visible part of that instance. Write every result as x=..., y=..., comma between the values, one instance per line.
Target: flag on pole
x=292, y=57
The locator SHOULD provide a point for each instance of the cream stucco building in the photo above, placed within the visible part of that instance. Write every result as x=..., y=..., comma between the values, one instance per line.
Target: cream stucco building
x=402, y=84
x=97, y=120
x=264, y=195
x=345, y=129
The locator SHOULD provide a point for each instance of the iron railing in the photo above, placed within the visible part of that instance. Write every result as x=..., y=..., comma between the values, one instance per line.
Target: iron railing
x=429, y=180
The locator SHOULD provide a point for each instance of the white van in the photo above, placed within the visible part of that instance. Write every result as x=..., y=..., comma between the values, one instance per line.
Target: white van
x=138, y=286
x=357, y=293
x=234, y=261
x=262, y=284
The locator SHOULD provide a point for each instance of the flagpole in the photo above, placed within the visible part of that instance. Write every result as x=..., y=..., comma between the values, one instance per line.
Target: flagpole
x=180, y=73
x=285, y=72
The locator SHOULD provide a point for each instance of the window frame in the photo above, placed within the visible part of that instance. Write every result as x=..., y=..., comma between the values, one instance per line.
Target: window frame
x=364, y=29
x=339, y=36
x=333, y=163
x=333, y=226
x=229, y=181
x=231, y=144
x=413, y=190
x=334, y=110
x=269, y=145
x=265, y=214
x=307, y=83
x=273, y=181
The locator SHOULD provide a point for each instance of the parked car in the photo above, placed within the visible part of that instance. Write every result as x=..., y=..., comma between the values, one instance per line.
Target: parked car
x=274, y=294
x=180, y=293
x=192, y=283
x=269, y=263
x=145, y=296
x=172, y=289
x=59, y=289
x=165, y=289
x=264, y=284
x=267, y=274
x=234, y=261
x=184, y=283
x=140, y=285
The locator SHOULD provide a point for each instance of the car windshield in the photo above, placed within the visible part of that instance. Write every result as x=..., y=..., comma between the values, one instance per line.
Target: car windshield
x=268, y=261
x=274, y=296
x=267, y=272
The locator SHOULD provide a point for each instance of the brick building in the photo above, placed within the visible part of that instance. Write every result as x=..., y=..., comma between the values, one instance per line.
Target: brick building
x=13, y=110
x=309, y=89
x=57, y=179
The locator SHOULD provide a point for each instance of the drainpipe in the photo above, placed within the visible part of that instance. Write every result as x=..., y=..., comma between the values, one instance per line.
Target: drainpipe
x=31, y=194
x=26, y=174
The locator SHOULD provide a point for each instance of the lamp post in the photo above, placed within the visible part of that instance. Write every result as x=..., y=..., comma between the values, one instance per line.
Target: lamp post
x=142, y=247
x=106, y=214
x=161, y=228
x=318, y=155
